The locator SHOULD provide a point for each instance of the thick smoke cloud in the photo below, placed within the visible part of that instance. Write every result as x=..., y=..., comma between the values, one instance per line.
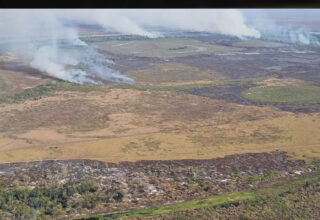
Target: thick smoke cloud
x=133, y=21
x=43, y=39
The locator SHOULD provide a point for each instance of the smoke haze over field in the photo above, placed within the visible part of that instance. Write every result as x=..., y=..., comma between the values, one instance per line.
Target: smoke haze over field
x=298, y=26
x=36, y=36
x=132, y=21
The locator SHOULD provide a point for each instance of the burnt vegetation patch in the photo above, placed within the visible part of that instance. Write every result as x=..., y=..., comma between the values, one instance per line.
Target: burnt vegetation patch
x=65, y=187
x=297, y=99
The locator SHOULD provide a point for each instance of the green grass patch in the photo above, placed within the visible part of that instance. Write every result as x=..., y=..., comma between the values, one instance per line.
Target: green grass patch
x=95, y=39
x=316, y=163
x=284, y=94
x=187, y=87
x=258, y=43
x=47, y=89
x=3, y=84
x=160, y=47
x=263, y=177
x=195, y=204
x=178, y=48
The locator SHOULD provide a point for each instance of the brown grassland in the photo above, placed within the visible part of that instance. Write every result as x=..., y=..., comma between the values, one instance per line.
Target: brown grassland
x=115, y=123
x=169, y=74
x=119, y=124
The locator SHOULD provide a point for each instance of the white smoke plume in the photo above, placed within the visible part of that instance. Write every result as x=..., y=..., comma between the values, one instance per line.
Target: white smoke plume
x=134, y=21
x=45, y=41
x=291, y=26
x=40, y=38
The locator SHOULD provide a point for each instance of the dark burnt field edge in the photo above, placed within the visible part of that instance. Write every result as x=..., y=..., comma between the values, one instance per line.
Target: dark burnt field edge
x=74, y=188
x=293, y=200
x=268, y=202
x=228, y=90
x=53, y=86
x=253, y=69
x=233, y=92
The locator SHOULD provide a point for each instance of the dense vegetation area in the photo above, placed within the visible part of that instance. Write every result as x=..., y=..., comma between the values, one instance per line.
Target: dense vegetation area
x=295, y=199
x=292, y=202
x=46, y=90
x=58, y=200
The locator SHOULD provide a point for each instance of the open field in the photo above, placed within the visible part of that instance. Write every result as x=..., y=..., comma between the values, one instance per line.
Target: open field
x=158, y=118
x=173, y=74
x=258, y=44
x=284, y=94
x=177, y=130
x=296, y=135
x=117, y=113
x=14, y=82
x=208, y=122
x=163, y=47
x=150, y=120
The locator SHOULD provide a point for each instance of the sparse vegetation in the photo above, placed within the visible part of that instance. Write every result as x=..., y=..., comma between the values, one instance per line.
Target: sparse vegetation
x=112, y=38
x=169, y=74
x=263, y=177
x=3, y=84
x=178, y=48
x=258, y=43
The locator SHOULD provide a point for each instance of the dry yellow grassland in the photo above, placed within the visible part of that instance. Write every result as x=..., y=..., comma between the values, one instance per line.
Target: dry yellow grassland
x=296, y=134
x=173, y=74
x=130, y=125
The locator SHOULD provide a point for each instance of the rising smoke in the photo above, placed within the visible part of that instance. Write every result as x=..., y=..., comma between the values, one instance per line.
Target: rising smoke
x=290, y=26
x=37, y=36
